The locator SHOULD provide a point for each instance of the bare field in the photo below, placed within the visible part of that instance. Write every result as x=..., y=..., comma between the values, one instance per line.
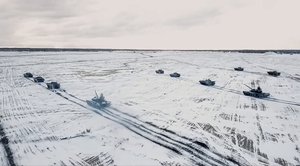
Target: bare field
x=154, y=119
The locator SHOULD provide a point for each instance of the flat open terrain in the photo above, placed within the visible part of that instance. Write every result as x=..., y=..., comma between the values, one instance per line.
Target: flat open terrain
x=154, y=119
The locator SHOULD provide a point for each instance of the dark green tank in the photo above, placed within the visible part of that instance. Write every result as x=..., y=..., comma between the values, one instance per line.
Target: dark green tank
x=175, y=74
x=53, y=85
x=258, y=93
x=239, y=69
x=98, y=102
x=207, y=82
x=28, y=75
x=160, y=71
x=274, y=73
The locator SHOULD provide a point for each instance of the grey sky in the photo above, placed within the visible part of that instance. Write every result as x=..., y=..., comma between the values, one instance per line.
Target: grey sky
x=166, y=24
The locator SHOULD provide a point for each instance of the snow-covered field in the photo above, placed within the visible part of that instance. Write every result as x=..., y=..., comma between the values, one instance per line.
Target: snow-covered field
x=154, y=119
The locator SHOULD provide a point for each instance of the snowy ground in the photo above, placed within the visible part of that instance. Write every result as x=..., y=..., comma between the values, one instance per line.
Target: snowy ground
x=154, y=119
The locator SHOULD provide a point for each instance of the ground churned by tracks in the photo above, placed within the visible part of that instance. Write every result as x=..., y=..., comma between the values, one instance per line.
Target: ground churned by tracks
x=198, y=152
x=185, y=118
x=5, y=142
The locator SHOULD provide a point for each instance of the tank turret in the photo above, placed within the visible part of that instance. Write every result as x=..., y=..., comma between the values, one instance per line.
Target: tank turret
x=98, y=102
x=207, y=82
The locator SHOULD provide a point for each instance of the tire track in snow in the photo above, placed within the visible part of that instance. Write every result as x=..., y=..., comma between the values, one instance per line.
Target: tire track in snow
x=238, y=92
x=134, y=129
x=180, y=145
x=267, y=99
x=271, y=99
x=198, y=147
x=177, y=145
x=159, y=138
x=5, y=142
x=7, y=102
x=288, y=76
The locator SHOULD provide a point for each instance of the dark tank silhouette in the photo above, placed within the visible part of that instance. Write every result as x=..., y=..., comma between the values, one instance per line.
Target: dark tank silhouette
x=38, y=79
x=175, y=74
x=239, y=69
x=274, y=73
x=258, y=93
x=53, y=85
x=207, y=82
x=160, y=71
x=98, y=102
x=28, y=75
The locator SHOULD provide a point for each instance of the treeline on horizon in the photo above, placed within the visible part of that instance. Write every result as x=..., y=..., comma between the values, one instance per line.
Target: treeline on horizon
x=96, y=50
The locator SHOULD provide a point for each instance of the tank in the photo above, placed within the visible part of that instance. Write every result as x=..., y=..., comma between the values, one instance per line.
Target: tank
x=53, y=85
x=98, y=102
x=38, y=79
x=239, y=69
x=175, y=74
x=258, y=93
x=207, y=82
x=28, y=75
x=274, y=73
x=160, y=71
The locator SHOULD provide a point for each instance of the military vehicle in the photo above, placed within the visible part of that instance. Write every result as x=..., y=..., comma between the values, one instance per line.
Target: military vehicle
x=274, y=73
x=175, y=74
x=239, y=69
x=98, y=102
x=160, y=71
x=53, y=85
x=207, y=82
x=38, y=79
x=28, y=75
x=256, y=93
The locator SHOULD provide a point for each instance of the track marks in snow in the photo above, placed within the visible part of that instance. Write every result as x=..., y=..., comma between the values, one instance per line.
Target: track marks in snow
x=27, y=125
x=253, y=115
x=173, y=142
x=101, y=159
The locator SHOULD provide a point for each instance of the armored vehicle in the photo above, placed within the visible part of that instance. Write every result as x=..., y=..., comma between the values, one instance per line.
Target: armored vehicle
x=207, y=82
x=175, y=74
x=256, y=93
x=98, y=102
x=160, y=71
x=53, y=85
x=28, y=75
x=274, y=73
x=38, y=79
x=239, y=69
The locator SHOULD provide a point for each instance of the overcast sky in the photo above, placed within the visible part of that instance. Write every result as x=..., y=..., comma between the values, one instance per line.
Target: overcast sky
x=150, y=24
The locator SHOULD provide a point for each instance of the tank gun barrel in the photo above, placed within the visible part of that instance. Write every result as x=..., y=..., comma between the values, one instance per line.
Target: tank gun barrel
x=248, y=86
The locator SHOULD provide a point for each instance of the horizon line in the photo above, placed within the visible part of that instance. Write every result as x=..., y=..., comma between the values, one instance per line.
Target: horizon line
x=49, y=49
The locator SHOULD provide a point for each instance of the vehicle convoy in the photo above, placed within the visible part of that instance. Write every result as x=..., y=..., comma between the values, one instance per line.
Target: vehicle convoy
x=239, y=69
x=98, y=102
x=274, y=73
x=175, y=74
x=38, y=79
x=160, y=71
x=207, y=82
x=258, y=93
x=53, y=85
x=28, y=75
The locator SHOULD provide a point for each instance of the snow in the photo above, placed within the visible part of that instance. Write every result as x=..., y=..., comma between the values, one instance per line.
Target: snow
x=3, y=160
x=154, y=119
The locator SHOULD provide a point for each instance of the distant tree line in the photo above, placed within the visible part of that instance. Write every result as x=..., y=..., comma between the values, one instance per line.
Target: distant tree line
x=288, y=51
